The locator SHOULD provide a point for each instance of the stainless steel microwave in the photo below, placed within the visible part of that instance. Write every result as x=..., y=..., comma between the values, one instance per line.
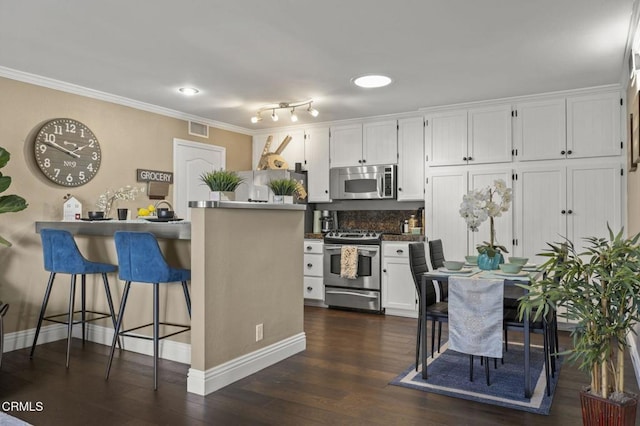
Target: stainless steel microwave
x=363, y=182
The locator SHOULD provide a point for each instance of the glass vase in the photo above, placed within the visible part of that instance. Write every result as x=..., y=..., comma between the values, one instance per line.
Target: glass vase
x=487, y=263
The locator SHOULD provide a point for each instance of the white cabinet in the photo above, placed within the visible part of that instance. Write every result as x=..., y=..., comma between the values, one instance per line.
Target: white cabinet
x=293, y=153
x=317, y=164
x=445, y=189
x=411, y=159
x=399, y=296
x=475, y=136
x=593, y=125
x=313, y=287
x=540, y=129
x=573, y=201
x=369, y=144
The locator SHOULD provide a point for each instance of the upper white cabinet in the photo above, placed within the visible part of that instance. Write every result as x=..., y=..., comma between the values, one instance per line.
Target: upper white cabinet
x=368, y=144
x=293, y=152
x=593, y=125
x=317, y=163
x=540, y=129
x=411, y=159
x=474, y=136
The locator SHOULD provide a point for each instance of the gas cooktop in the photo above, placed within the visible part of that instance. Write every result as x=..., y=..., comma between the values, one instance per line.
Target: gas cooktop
x=358, y=236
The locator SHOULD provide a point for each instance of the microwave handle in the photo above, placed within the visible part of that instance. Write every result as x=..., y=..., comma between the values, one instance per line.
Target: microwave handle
x=380, y=185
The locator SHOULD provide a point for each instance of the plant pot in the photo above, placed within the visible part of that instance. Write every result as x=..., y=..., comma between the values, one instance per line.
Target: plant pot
x=287, y=199
x=597, y=411
x=222, y=196
x=278, y=199
x=487, y=263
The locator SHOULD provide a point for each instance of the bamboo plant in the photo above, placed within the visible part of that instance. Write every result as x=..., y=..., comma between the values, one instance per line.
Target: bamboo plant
x=221, y=180
x=600, y=289
x=283, y=186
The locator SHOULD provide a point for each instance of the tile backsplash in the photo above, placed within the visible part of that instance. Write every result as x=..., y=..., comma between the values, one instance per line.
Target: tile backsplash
x=388, y=221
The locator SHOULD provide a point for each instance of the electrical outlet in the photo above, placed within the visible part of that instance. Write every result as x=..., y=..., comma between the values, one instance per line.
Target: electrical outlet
x=259, y=332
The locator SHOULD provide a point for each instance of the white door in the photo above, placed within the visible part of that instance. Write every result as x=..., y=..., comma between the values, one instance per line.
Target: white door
x=446, y=138
x=593, y=125
x=411, y=159
x=540, y=130
x=346, y=145
x=380, y=142
x=317, y=162
x=489, y=135
x=190, y=160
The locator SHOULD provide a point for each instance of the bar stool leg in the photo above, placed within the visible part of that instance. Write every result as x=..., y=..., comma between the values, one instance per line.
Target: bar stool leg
x=107, y=290
x=123, y=303
x=156, y=333
x=186, y=296
x=43, y=309
x=83, y=314
x=72, y=297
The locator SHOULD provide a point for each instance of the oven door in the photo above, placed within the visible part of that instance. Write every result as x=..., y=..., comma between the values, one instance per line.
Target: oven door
x=354, y=299
x=368, y=275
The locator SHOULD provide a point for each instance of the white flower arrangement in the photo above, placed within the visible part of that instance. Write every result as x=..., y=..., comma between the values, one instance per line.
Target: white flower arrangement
x=106, y=200
x=478, y=205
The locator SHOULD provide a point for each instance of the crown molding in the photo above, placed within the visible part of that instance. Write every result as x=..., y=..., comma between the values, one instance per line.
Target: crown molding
x=75, y=89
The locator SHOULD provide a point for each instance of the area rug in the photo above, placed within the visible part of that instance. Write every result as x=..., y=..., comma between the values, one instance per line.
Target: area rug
x=7, y=420
x=449, y=375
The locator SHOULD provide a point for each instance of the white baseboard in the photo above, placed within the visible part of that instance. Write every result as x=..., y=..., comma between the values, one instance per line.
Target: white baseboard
x=205, y=382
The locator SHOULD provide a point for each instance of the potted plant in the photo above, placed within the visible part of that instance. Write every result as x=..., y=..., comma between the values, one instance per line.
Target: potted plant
x=8, y=203
x=479, y=205
x=600, y=289
x=222, y=184
x=283, y=190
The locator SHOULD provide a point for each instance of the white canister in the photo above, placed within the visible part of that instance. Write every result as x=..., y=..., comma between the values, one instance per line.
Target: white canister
x=316, y=222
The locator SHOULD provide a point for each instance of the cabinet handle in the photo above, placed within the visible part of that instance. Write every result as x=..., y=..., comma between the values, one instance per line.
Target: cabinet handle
x=563, y=211
x=570, y=211
x=309, y=247
x=309, y=288
x=569, y=152
x=384, y=270
x=309, y=265
x=326, y=191
x=470, y=158
x=464, y=158
x=562, y=152
x=399, y=189
x=360, y=161
x=399, y=251
x=364, y=161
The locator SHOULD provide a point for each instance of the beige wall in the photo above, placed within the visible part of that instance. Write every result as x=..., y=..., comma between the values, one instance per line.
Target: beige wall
x=129, y=138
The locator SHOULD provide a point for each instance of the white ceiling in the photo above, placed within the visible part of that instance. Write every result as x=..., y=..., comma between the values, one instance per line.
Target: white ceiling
x=244, y=54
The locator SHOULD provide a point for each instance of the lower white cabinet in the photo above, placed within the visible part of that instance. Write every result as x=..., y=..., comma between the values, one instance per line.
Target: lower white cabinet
x=399, y=296
x=313, y=288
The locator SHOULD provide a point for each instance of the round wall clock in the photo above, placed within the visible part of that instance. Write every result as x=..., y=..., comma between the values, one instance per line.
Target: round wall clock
x=67, y=152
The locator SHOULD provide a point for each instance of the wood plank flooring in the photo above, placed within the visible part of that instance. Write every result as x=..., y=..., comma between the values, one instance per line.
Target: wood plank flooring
x=342, y=378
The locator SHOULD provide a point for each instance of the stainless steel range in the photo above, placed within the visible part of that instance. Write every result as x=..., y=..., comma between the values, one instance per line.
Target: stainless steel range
x=363, y=292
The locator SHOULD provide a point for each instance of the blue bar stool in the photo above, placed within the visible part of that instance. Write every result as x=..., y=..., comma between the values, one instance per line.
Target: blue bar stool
x=61, y=255
x=140, y=260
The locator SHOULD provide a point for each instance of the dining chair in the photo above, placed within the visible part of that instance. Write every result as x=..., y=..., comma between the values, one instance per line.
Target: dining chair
x=436, y=254
x=140, y=260
x=435, y=311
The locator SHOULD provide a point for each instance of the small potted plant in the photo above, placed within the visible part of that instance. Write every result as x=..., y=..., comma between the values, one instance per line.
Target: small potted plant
x=283, y=190
x=600, y=289
x=222, y=184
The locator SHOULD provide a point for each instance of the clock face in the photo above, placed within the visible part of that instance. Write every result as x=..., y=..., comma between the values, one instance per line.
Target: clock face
x=67, y=152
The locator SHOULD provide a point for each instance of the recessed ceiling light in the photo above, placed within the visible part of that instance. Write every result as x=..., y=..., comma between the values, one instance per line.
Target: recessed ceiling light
x=372, y=81
x=189, y=91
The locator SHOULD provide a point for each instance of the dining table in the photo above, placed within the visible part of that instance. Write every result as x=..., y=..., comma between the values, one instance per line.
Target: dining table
x=511, y=290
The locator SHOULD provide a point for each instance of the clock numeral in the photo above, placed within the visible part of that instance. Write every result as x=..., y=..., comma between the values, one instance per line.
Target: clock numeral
x=42, y=148
x=69, y=178
x=71, y=128
x=56, y=172
x=91, y=141
x=70, y=163
x=57, y=129
x=49, y=137
x=82, y=133
x=47, y=162
x=94, y=156
x=90, y=167
x=81, y=175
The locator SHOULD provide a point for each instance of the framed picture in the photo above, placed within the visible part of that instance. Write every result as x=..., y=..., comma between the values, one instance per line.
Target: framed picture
x=632, y=142
x=635, y=133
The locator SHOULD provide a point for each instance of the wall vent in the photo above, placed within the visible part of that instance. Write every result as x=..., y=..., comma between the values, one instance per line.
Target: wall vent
x=198, y=129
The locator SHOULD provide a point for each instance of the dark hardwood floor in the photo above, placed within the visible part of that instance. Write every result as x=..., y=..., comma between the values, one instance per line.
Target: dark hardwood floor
x=342, y=378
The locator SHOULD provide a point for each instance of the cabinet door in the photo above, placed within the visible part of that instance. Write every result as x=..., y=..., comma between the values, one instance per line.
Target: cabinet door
x=593, y=125
x=446, y=138
x=346, y=145
x=504, y=223
x=380, y=142
x=411, y=159
x=445, y=189
x=399, y=295
x=317, y=161
x=489, y=135
x=540, y=130
x=540, y=198
x=593, y=201
x=258, y=147
x=294, y=151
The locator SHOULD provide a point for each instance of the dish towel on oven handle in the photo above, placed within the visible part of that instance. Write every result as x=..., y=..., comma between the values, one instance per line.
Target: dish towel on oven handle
x=349, y=262
x=475, y=315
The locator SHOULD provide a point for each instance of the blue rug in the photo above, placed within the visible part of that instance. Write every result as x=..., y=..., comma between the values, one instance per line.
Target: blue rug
x=449, y=375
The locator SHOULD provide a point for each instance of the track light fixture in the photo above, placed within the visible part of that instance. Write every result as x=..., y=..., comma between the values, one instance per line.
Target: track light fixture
x=285, y=105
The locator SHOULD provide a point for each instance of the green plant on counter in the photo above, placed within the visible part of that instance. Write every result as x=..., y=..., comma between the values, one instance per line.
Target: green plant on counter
x=8, y=203
x=221, y=180
x=283, y=186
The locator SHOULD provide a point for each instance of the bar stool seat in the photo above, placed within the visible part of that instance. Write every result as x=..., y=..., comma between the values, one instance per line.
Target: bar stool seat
x=61, y=255
x=140, y=260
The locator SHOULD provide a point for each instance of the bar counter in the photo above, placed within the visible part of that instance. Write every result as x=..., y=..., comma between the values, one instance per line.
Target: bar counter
x=106, y=228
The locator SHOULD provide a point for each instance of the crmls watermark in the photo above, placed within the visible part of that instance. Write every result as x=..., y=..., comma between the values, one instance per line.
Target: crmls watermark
x=8, y=406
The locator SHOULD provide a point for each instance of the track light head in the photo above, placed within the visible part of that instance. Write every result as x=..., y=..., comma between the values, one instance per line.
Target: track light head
x=294, y=116
x=285, y=106
x=274, y=116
